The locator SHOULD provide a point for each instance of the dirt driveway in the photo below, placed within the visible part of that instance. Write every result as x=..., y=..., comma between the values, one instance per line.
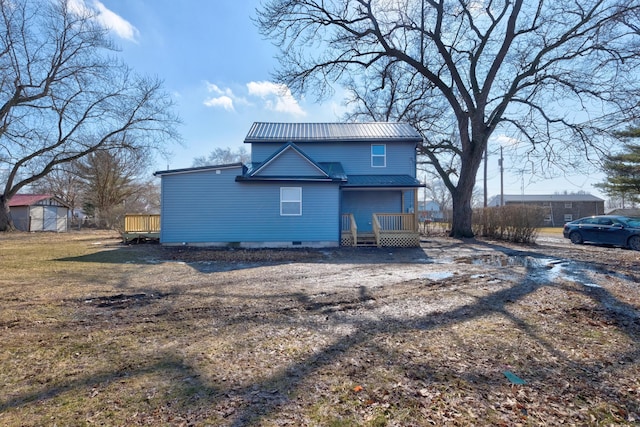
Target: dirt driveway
x=431, y=332
x=453, y=333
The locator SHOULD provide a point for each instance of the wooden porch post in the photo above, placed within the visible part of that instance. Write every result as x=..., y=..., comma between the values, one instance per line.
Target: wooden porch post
x=416, y=210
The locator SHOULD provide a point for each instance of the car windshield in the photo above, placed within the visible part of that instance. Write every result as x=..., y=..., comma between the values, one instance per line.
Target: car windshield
x=632, y=222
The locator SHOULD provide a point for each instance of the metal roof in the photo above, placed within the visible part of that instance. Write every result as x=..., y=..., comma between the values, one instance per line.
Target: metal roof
x=198, y=169
x=27, y=199
x=31, y=199
x=310, y=132
x=395, y=181
x=511, y=198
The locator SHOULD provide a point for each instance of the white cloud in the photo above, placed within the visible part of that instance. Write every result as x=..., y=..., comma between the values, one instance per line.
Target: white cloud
x=276, y=97
x=222, y=98
x=505, y=140
x=106, y=17
x=272, y=97
x=123, y=28
x=221, y=101
x=216, y=89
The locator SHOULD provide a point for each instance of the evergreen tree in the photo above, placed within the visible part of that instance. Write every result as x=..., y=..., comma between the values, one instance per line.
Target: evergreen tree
x=623, y=171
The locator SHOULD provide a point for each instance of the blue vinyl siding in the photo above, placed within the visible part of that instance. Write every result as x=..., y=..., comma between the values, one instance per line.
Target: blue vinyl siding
x=355, y=157
x=363, y=204
x=290, y=163
x=205, y=207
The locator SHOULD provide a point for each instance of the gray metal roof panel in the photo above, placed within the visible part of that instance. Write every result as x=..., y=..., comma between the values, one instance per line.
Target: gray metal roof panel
x=198, y=169
x=361, y=181
x=334, y=169
x=310, y=132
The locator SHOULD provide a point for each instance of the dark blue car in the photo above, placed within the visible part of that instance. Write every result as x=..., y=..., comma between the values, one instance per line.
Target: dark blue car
x=605, y=229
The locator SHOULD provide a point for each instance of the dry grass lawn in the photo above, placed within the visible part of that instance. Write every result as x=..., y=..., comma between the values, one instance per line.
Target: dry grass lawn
x=453, y=333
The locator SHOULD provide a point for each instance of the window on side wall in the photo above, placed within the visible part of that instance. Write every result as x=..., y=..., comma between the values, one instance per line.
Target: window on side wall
x=378, y=155
x=290, y=201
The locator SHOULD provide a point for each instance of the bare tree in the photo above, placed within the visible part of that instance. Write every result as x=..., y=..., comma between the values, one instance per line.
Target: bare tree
x=556, y=76
x=223, y=156
x=62, y=97
x=108, y=181
x=146, y=198
x=63, y=183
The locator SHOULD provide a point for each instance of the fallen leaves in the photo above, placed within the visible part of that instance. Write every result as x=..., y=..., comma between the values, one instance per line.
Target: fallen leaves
x=314, y=338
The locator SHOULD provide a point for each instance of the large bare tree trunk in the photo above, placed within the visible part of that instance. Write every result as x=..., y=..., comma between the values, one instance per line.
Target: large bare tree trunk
x=6, y=224
x=462, y=211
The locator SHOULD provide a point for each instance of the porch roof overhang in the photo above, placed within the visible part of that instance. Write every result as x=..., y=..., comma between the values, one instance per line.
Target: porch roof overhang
x=381, y=182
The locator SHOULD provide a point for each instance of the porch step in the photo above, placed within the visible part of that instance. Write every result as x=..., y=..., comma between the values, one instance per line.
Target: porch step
x=366, y=239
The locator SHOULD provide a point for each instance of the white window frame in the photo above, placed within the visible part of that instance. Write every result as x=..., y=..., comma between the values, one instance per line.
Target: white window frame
x=568, y=217
x=289, y=199
x=378, y=156
x=568, y=205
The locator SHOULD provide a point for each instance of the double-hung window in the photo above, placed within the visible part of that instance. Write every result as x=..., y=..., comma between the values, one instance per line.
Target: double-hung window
x=378, y=155
x=290, y=201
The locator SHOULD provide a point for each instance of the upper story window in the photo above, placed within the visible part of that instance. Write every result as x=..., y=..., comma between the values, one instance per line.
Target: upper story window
x=378, y=155
x=291, y=201
x=568, y=205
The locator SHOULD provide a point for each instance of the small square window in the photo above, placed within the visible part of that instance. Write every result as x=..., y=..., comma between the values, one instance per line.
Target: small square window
x=568, y=218
x=290, y=201
x=378, y=156
x=568, y=205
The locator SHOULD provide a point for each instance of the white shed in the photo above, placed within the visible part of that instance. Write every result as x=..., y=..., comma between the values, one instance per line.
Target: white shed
x=38, y=212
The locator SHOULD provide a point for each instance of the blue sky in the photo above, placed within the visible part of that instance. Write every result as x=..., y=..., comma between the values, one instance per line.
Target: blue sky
x=218, y=69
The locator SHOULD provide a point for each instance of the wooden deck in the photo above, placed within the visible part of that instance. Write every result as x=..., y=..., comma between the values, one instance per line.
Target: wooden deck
x=389, y=230
x=141, y=227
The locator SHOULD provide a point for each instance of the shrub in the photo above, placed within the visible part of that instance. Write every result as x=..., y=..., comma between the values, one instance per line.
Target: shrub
x=514, y=223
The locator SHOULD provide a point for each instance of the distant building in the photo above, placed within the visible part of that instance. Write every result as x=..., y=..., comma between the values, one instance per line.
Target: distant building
x=625, y=212
x=428, y=210
x=38, y=212
x=558, y=208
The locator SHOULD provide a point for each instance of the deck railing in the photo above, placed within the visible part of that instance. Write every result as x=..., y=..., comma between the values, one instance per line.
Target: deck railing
x=141, y=223
x=396, y=222
x=376, y=228
x=396, y=230
x=350, y=227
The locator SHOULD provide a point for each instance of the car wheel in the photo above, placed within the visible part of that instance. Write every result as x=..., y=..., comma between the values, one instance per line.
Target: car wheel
x=634, y=243
x=576, y=238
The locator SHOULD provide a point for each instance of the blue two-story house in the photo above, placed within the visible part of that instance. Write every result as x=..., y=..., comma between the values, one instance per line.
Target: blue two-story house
x=308, y=184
